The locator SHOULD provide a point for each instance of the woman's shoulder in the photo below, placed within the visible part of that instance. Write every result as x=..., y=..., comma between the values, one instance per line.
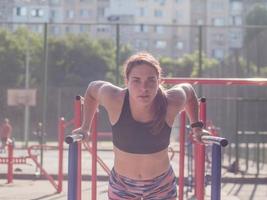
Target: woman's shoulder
x=110, y=93
x=175, y=95
x=112, y=90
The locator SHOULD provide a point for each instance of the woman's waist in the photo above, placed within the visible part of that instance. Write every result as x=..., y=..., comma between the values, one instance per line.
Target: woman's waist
x=141, y=167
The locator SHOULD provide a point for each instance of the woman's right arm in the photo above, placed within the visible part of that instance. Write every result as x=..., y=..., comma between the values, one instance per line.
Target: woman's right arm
x=93, y=97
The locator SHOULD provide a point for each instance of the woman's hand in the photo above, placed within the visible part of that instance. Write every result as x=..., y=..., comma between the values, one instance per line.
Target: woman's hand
x=198, y=133
x=86, y=134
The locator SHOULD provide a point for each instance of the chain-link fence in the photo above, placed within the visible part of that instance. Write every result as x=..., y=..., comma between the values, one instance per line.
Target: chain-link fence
x=59, y=60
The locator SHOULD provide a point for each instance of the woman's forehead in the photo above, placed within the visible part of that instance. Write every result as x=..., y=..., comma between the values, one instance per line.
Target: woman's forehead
x=143, y=69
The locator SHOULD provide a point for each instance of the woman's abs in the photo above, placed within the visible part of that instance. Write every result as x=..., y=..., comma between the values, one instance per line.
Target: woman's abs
x=141, y=166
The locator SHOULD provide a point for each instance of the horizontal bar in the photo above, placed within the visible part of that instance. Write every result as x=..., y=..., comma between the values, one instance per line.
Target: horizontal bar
x=209, y=139
x=74, y=138
x=217, y=81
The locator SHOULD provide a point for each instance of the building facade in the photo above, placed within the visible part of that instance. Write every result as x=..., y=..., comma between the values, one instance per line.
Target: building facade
x=165, y=27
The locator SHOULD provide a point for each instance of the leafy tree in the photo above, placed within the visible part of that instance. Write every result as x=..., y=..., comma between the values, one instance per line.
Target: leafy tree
x=186, y=66
x=77, y=59
x=14, y=49
x=255, y=39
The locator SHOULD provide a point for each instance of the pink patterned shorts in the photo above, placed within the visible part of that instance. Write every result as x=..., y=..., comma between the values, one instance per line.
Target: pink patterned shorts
x=162, y=187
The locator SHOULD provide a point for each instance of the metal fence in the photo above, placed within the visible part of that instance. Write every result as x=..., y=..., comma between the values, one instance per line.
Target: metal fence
x=235, y=51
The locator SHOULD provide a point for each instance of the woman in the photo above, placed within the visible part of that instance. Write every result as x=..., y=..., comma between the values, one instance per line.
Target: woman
x=141, y=116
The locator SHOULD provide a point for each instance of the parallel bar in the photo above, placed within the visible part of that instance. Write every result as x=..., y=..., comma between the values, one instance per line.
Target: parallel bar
x=216, y=172
x=209, y=139
x=60, y=153
x=217, y=81
x=94, y=158
x=72, y=171
x=77, y=124
x=74, y=138
x=200, y=157
x=181, y=154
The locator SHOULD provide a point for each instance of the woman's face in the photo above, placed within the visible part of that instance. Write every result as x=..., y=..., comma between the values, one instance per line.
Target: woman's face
x=143, y=84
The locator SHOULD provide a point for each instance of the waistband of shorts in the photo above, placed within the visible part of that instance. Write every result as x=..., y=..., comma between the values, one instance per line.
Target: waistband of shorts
x=163, y=175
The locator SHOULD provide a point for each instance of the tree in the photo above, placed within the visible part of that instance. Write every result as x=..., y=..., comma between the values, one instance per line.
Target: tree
x=78, y=59
x=255, y=40
x=186, y=66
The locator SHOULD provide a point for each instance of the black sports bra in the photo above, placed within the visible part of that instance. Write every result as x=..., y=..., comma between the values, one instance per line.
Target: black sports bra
x=132, y=136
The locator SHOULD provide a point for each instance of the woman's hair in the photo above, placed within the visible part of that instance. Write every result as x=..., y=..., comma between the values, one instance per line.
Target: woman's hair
x=160, y=101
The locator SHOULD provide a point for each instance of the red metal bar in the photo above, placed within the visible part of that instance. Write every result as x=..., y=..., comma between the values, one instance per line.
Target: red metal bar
x=182, y=154
x=77, y=124
x=10, y=163
x=61, y=125
x=200, y=154
x=94, y=156
x=217, y=81
x=43, y=172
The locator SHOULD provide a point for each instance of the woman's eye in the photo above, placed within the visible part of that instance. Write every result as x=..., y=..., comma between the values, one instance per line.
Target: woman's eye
x=136, y=81
x=152, y=80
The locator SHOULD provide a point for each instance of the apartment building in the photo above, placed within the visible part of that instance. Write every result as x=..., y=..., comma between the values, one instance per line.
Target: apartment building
x=165, y=27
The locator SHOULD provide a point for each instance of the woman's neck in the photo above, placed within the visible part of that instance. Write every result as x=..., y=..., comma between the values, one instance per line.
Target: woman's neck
x=143, y=113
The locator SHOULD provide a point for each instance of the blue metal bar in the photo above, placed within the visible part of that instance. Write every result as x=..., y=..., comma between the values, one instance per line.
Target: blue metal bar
x=72, y=171
x=209, y=139
x=74, y=138
x=216, y=172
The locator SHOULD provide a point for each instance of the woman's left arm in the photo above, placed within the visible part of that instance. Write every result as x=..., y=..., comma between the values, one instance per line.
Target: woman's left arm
x=190, y=104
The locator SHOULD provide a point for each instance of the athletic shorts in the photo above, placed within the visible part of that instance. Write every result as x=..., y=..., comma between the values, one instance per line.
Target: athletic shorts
x=162, y=187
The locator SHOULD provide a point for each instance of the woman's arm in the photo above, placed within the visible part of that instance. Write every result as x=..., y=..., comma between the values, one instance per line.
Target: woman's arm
x=186, y=99
x=95, y=95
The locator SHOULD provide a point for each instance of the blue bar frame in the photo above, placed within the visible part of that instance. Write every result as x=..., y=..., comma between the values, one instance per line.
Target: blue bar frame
x=216, y=172
x=72, y=171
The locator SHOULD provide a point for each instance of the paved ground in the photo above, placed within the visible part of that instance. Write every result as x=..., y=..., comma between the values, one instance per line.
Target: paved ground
x=27, y=186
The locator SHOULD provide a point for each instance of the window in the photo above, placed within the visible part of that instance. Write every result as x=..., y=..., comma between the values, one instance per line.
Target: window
x=237, y=35
x=54, y=2
x=84, y=28
x=21, y=11
x=218, y=21
x=236, y=20
x=161, y=44
x=217, y=6
x=102, y=28
x=200, y=22
x=218, y=53
x=159, y=29
x=101, y=12
x=158, y=13
x=69, y=14
x=85, y=13
x=55, y=30
x=141, y=44
x=67, y=29
x=141, y=28
x=141, y=12
x=53, y=14
x=180, y=45
x=219, y=37
x=37, y=12
x=236, y=6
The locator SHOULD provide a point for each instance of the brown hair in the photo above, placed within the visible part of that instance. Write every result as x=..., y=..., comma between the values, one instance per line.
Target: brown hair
x=160, y=101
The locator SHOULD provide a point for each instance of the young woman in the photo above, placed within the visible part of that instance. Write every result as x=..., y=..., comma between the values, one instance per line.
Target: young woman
x=141, y=116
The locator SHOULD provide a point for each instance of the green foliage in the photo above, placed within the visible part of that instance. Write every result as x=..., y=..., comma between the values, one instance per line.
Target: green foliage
x=77, y=59
x=186, y=66
x=14, y=49
x=256, y=17
x=255, y=40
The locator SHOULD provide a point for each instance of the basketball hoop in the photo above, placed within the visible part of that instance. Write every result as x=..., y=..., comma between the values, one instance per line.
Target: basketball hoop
x=26, y=97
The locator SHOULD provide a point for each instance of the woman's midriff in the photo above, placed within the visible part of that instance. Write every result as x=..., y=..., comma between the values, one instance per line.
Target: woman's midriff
x=141, y=166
